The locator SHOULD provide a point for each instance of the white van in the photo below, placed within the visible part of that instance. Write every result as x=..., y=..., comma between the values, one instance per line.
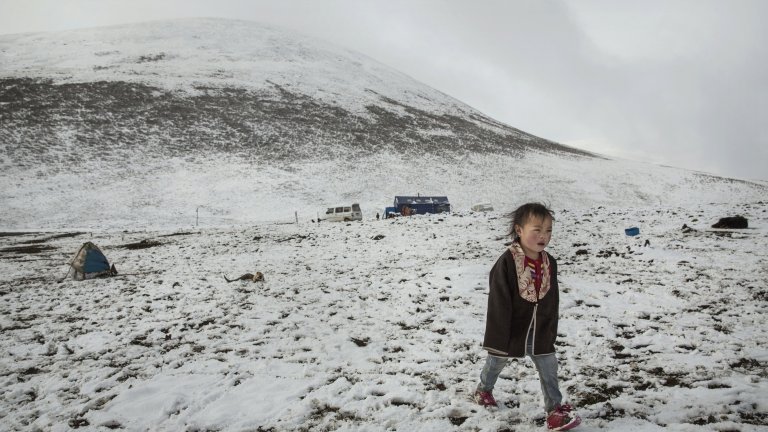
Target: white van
x=482, y=207
x=338, y=214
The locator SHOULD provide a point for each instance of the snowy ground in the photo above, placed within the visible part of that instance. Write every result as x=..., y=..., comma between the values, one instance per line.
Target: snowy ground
x=352, y=333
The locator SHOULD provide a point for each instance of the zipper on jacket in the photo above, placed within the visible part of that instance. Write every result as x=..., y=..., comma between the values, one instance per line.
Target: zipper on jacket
x=531, y=326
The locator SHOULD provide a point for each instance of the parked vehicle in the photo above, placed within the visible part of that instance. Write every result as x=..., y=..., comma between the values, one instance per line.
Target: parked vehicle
x=483, y=207
x=412, y=205
x=339, y=214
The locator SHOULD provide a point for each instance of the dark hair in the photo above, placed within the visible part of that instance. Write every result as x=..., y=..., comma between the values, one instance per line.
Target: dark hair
x=526, y=211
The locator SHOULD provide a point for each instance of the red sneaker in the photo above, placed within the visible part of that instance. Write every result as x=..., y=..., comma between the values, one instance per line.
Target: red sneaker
x=485, y=398
x=562, y=418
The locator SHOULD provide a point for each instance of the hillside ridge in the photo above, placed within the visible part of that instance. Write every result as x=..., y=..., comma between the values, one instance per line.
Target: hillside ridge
x=157, y=88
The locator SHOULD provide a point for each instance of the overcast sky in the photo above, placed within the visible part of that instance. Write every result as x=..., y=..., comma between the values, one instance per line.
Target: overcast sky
x=681, y=83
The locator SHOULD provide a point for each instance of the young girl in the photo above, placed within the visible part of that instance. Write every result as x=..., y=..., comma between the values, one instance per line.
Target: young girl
x=522, y=312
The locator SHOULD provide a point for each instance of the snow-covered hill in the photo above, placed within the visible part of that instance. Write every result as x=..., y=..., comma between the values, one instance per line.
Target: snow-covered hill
x=198, y=87
x=194, y=55
x=153, y=124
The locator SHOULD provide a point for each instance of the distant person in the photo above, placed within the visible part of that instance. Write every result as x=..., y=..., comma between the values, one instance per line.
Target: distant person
x=522, y=314
x=377, y=215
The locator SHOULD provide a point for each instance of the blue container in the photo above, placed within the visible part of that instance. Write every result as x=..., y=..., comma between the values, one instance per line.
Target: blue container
x=632, y=231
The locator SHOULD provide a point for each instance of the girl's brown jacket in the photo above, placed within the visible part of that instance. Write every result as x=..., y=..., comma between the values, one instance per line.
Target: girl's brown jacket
x=510, y=316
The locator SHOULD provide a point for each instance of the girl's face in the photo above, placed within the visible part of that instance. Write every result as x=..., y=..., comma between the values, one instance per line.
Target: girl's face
x=534, y=235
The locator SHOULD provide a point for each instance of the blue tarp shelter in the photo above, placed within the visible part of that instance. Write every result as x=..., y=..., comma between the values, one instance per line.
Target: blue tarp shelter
x=407, y=205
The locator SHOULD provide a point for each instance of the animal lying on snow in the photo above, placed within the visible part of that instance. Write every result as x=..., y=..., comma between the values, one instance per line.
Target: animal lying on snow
x=258, y=277
x=736, y=222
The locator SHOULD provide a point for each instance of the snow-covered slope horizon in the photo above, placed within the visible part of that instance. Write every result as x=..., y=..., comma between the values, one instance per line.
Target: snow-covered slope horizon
x=177, y=194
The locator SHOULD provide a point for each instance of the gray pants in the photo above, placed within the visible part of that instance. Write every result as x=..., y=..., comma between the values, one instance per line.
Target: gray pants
x=545, y=364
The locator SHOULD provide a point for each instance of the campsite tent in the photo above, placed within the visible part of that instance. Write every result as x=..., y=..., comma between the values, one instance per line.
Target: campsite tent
x=89, y=262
